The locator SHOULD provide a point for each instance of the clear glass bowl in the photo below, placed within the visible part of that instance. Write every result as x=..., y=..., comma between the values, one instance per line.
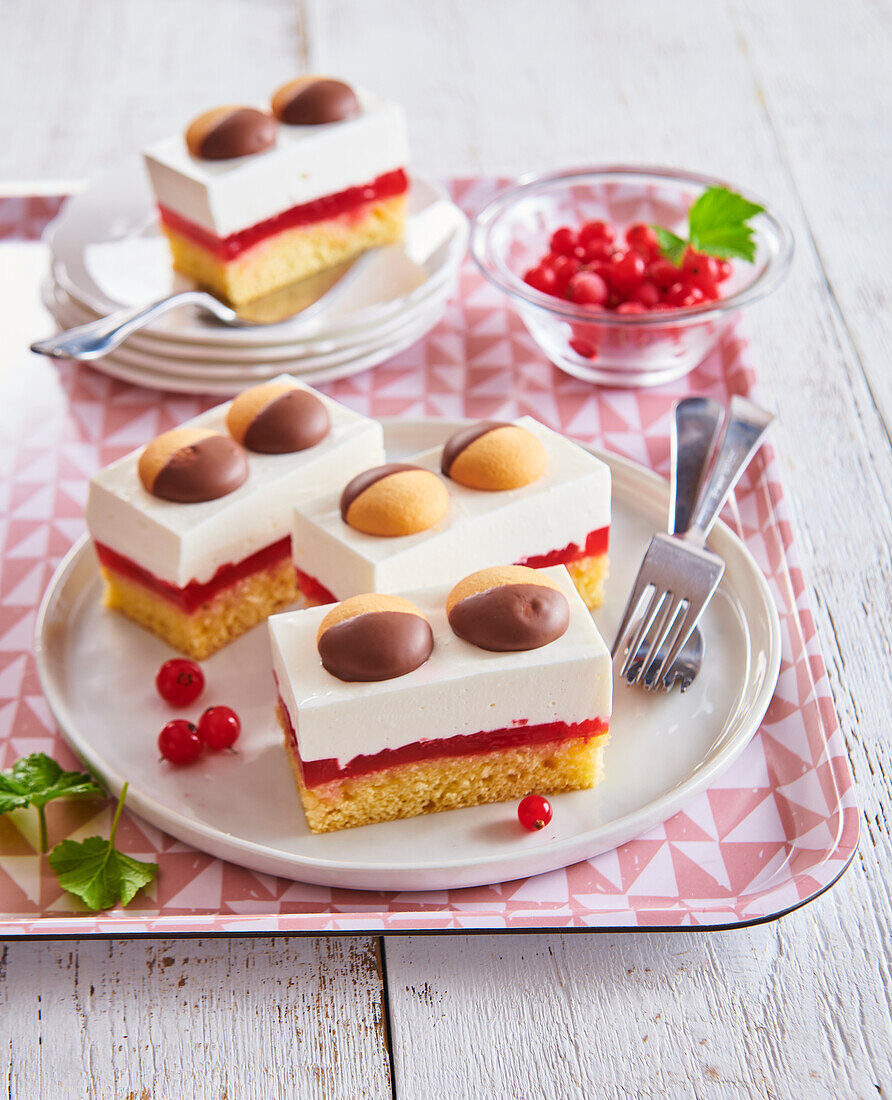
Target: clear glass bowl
x=511, y=235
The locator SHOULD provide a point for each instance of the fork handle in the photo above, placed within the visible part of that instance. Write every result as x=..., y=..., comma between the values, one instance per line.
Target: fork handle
x=97, y=338
x=696, y=422
x=744, y=431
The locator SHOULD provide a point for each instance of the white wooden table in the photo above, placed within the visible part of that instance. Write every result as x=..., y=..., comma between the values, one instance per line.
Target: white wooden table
x=792, y=100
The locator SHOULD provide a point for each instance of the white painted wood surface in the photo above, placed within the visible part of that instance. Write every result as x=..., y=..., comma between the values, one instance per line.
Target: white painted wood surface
x=791, y=100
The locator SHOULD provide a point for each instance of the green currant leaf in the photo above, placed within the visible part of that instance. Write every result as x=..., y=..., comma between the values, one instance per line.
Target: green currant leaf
x=37, y=779
x=671, y=246
x=718, y=226
x=96, y=872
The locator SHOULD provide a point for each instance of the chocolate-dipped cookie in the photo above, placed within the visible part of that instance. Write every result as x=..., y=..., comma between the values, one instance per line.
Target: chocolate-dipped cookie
x=227, y=132
x=314, y=101
x=393, y=500
x=374, y=637
x=508, y=608
x=494, y=455
x=277, y=418
x=190, y=465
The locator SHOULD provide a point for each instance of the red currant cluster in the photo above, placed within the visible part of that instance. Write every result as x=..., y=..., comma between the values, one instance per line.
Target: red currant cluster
x=591, y=268
x=180, y=683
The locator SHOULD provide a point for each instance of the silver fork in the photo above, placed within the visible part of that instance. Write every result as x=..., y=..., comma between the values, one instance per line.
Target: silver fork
x=695, y=427
x=681, y=573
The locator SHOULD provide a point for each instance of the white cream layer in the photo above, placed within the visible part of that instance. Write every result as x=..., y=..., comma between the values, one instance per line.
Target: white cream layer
x=306, y=163
x=180, y=543
x=460, y=690
x=571, y=499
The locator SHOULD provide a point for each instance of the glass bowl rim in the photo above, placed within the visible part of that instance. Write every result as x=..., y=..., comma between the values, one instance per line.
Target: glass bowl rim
x=776, y=231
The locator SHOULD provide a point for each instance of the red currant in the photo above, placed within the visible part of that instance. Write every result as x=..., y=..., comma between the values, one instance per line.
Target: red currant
x=179, y=742
x=219, y=728
x=563, y=241
x=587, y=288
x=647, y=294
x=596, y=250
x=534, y=812
x=700, y=269
x=642, y=238
x=541, y=278
x=585, y=349
x=179, y=682
x=564, y=268
x=631, y=307
x=626, y=272
x=597, y=231
x=664, y=274
x=725, y=270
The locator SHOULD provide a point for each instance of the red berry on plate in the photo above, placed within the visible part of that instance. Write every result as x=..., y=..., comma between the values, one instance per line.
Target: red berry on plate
x=534, y=812
x=563, y=240
x=219, y=728
x=597, y=231
x=587, y=288
x=179, y=682
x=179, y=742
x=642, y=238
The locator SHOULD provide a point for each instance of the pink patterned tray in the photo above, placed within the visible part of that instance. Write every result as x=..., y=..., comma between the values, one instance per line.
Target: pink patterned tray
x=780, y=829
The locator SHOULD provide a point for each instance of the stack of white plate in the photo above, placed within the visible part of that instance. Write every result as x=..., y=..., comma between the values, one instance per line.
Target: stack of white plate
x=107, y=254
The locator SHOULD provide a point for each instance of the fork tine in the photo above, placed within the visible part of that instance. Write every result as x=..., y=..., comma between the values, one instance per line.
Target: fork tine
x=660, y=638
x=647, y=620
x=690, y=620
x=641, y=586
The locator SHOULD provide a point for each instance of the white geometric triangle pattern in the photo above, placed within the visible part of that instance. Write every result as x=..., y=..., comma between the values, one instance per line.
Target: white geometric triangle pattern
x=776, y=830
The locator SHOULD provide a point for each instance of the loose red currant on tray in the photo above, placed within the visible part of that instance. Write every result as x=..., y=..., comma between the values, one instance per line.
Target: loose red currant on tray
x=534, y=812
x=179, y=682
x=219, y=728
x=179, y=742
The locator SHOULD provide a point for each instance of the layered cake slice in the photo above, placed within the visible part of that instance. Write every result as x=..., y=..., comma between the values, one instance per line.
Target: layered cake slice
x=396, y=706
x=193, y=531
x=496, y=492
x=253, y=200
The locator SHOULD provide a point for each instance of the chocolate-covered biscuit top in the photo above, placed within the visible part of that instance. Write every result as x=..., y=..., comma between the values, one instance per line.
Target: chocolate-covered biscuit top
x=508, y=609
x=191, y=465
x=394, y=499
x=315, y=101
x=277, y=418
x=374, y=637
x=494, y=455
x=224, y=133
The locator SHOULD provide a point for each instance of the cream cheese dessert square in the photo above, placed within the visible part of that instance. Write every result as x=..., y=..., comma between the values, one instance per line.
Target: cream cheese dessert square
x=460, y=689
x=306, y=163
x=180, y=543
x=481, y=528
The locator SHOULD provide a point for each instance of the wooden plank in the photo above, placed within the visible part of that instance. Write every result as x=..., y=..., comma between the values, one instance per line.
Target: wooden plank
x=575, y=1016
x=216, y=1018
x=84, y=84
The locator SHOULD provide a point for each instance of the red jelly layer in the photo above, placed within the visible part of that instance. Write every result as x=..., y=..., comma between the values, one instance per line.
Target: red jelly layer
x=228, y=248
x=190, y=598
x=596, y=543
x=313, y=589
x=466, y=744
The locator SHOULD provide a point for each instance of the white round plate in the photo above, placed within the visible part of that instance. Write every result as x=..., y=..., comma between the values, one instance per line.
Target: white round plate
x=108, y=252
x=126, y=368
x=68, y=312
x=97, y=671
x=167, y=357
